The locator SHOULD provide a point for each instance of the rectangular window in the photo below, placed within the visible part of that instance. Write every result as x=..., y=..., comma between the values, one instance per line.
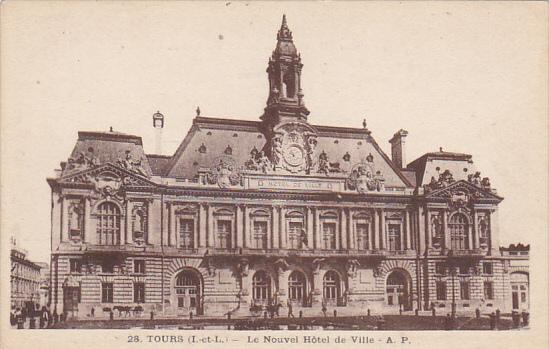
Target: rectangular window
x=107, y=292
x=463, y=269
x=464, y=290
x=260, y=235
x=329, y=238
x=487, y=268
x=440, y=268
x=294, y=235
x=107, y=266
x=441, y=290
x=363, y=236
x=139, y=292
x=395, y=241
x=139, y=266
x=224, y=233
x=488, y=290
x=186, y=233
x=75, y=266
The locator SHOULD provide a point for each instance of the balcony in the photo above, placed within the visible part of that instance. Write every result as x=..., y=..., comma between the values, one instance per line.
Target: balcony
x=465, y=253
x=287, y=252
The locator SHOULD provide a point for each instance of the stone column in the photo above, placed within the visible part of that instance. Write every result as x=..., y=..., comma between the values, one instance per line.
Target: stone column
x=247, y=229
x=239, y=226
x=202, y=225
x=447, y=243
x=376, y=229
x=317, y=229
x=310, y=228
x=408, y=231
x=210, y=223
x=494, y=231
x=351, y=229
x=87, y=226
x=64, y=219
x=382, y=229
x=344, y=229
x=282, y=227
x=475, y=230
x=148, y=236
x=428, y=229
x=172, y=230
x=270, y=232
x=275, y=227
x=234, y=228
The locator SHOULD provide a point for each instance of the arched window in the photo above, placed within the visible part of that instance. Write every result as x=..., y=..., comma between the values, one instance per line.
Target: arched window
x=296, y=286
x=108, y=224
x=332, y=286
x=261, y=287
x=459, y=232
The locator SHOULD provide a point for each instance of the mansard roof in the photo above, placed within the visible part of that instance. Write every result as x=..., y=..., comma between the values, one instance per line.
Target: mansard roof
x=107, y=147
x=212, y=138
x=432, y=164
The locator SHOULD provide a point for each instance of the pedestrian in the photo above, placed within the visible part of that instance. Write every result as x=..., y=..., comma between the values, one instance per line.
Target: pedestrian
x=92, y=312
x=493, y=321
x=12, y=317
x=19, y=319
x=324, y=309
x=290, y=311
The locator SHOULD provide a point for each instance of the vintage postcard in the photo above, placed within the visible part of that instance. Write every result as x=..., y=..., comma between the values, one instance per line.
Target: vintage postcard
x=251, y=174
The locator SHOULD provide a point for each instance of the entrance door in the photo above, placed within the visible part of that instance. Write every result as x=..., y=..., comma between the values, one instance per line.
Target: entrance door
x=398, y=291
x=515, y=300
x=188, y=293
x=71, y=298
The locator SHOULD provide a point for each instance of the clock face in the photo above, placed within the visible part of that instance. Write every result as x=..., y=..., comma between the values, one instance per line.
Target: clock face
x=294, y=155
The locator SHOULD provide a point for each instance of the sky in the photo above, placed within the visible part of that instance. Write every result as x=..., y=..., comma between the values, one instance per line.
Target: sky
x=467, y=77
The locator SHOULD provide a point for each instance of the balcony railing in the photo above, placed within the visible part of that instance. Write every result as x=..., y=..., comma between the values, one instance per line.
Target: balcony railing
x=464, y=253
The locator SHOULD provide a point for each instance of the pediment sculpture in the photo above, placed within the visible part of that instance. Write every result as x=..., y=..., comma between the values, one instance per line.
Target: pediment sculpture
x=132, y=165
x=223, y=172
x=83, y=161
x=364, y=178
x=479, y=182
x=444, y=179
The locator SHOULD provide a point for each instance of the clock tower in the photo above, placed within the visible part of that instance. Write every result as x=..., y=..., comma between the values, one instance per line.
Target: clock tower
x=292, y=141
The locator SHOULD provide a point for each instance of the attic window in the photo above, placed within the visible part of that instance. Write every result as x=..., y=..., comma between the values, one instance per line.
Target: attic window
x=228, y=150
x=465, y=169
x=438, y=168
x=202, y=148
x=359, y=143
x=195, y=163
x=209, y=133
x=235, y=134
x=336, y=142
x=259, y=136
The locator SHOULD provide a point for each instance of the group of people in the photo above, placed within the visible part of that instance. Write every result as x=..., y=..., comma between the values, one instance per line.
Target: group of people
x=19, y=316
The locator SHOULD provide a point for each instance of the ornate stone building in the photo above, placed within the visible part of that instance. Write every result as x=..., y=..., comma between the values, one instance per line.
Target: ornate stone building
x=247, y=213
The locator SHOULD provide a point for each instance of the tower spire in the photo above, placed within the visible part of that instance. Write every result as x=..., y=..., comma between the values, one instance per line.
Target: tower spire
x=285, y=95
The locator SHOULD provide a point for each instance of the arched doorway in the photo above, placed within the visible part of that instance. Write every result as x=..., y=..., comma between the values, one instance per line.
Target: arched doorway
x=188, y=292
x=297, y=287
x=332, y=288
x=398, y=290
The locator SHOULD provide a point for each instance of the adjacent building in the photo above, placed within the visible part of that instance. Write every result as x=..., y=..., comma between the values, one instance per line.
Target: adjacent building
x=24, y=279
x=247, y=213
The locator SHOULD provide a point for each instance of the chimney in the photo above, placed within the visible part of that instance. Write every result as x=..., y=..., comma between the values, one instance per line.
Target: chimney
x=158, y=124
x=398, y=151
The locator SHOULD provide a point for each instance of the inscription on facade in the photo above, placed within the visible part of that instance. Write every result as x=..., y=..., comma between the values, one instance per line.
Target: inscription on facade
x=294, y=184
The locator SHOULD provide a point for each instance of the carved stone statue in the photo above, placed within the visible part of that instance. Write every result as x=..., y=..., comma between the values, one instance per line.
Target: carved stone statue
x=133, y=165
x=277, y=149
x=444, y=179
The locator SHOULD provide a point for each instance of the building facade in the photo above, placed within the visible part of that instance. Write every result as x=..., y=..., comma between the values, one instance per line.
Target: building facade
x=24, y=279
x=278, y=210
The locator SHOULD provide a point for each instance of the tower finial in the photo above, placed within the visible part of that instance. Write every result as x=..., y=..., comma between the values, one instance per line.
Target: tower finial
x=284, y=33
